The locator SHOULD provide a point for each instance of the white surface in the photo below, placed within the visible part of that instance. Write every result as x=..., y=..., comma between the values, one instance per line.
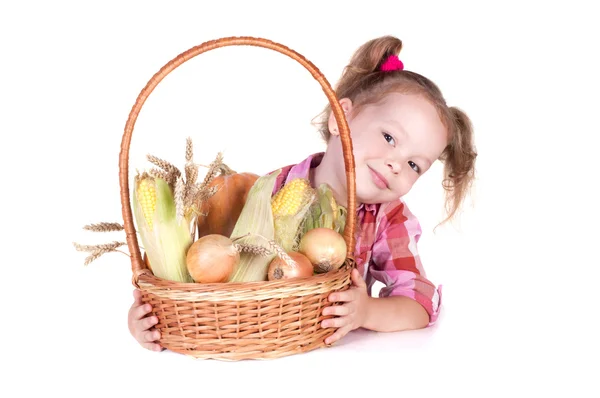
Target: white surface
x=520, y=268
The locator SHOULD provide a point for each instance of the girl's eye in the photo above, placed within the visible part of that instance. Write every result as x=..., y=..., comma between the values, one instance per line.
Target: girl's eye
x=389, y=138
x=414, y=166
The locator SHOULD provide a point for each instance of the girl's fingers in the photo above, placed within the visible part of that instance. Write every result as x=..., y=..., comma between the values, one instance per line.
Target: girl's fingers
x=152, y=346
x=339, y=310
x=335, y=322
x=357, y=279
x=341, y=332
x=137, y=297
x=148, y=322
x=151, y=336
x=345, y=296
x=141, y=311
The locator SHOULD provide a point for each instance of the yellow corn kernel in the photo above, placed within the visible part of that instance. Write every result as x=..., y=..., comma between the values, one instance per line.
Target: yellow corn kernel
x=289, y=207
x=147, y=197
x=164, y=238
x=291, y=198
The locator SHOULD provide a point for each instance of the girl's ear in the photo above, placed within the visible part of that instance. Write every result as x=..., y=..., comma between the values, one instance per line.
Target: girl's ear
x=346, y=104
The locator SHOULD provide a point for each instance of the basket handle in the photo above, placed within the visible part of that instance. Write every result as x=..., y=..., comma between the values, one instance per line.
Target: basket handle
x=137, y=263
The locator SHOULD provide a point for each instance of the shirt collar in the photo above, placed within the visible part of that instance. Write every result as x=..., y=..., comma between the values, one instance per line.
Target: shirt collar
x=370, y=207
x=302, y=169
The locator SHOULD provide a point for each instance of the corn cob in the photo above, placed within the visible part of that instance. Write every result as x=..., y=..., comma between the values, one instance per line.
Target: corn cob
x=256, y=221
x=291, y=197
x=325, y=212
x=146, y=195
x=165, y=239
x=289, y=207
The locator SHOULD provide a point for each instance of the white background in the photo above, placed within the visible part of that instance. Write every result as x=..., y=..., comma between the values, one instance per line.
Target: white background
x=519, y=267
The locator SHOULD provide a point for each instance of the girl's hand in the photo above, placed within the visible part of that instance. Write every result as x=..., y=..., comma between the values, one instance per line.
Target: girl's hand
x=351, y=314
x=141, y=326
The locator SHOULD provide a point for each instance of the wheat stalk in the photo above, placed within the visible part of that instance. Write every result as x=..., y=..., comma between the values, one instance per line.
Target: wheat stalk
x=272, y=244
x=179, y=199
x=213, y=170
x=92, y=248
x=104, y=227
x=94, y=256
x=157, y=173
x=171, y=169
x=252, y=249
x=191, y=169
x=281, y=253
x=98, y=250
x=205, y=194
x=226, y=170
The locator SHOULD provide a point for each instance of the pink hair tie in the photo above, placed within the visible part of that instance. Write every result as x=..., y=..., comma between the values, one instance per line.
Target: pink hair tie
x=392, y=63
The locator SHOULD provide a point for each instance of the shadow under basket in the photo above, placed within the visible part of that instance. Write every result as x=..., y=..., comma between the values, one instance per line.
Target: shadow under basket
x=235, y=321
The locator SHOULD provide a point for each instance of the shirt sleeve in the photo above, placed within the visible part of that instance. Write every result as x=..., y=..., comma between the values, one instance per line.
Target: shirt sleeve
x=395, y=261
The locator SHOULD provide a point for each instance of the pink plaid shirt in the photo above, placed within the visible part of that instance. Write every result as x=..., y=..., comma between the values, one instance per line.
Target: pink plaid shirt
x=386, y=246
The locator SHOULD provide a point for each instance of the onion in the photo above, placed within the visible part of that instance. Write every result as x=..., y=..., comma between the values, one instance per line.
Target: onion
x=325, y=248
x=212, y=259
x=279, y=269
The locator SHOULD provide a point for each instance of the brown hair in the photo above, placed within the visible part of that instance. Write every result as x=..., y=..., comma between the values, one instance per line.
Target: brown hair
x=363, y=83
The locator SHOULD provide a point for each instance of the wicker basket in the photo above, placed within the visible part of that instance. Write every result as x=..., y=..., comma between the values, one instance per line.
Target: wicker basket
x=235, y=321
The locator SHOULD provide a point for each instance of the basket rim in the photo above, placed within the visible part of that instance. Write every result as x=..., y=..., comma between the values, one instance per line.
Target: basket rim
x=244, y=291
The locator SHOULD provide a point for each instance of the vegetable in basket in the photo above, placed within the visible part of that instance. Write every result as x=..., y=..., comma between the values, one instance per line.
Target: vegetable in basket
x=220, y=212
x=280, y=269
x=212, y=259
x=290, y=205
x=325, y=248
x=165, y=237
x=255, y=226
x=325, y=212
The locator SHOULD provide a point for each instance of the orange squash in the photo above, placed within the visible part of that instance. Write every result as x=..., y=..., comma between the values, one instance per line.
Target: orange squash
x=225, y=206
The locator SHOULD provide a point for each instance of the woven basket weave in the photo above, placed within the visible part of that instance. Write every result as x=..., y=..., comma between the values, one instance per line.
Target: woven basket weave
x=235, y=321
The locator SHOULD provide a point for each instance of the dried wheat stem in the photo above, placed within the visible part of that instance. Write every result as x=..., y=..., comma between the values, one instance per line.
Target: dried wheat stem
x=274, y=246
x=189, y=192
x=191, y=169
x=163, y=164
x=213, y=170
x=179, y=199
x=189, y=150
x=157, y=173
x=98, y=250
x=191, y=174
x=204, y=194
x=225, y=170
x=101, y=247
x=104, y=227
x=281, y=253
x=92, y=257
x=252, y=249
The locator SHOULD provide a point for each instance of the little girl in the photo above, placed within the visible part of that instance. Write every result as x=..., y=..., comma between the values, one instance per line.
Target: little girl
x=399, y=124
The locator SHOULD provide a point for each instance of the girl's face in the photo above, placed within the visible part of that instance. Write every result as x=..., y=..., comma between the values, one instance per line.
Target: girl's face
x=395, y=141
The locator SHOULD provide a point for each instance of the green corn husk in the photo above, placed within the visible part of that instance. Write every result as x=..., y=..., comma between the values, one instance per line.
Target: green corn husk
x=325, y=212
x=165, y=239
x=339, y=222
x=256, y=221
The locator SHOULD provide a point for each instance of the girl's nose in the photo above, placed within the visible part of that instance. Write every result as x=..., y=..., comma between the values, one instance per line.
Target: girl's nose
x=394, y=166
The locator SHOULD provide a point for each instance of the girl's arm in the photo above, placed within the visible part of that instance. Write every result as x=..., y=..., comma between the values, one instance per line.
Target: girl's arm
x=395, y=313
x=408, y=300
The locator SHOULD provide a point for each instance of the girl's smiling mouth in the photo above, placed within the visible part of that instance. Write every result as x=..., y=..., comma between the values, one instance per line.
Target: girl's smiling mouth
x=378, y=179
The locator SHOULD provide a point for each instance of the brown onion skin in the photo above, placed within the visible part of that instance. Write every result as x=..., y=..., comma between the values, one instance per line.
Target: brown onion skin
x=212, y=259
x=278, y=268
x=325, y=249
